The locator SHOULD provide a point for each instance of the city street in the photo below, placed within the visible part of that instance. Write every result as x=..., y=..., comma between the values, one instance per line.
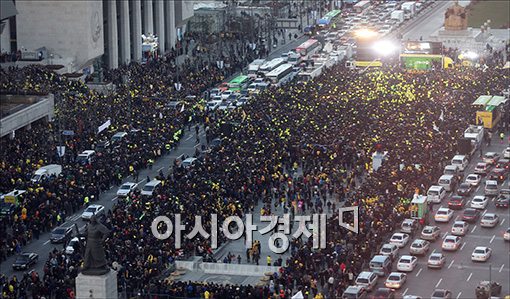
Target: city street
x=460, y=275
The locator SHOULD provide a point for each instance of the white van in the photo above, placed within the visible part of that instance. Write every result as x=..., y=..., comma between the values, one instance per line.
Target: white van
x=435, y=194
x=448, y=182
x=460, y=161
x=86, y=157
x=380, y=265
x=118, y=136
x=46, y=172
x=149, y=188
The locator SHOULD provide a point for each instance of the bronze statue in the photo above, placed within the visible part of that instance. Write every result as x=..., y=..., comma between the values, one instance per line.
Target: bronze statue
x=455, y=17
x=94, y=260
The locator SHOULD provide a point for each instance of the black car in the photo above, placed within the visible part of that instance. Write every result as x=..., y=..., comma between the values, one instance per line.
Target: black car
x=61, y=234
x=25, y=260
x=503, y=201
x=6, y=209
x=503, y=164
x=465, y=189
x=456, y=202
x=470, y=215
x=383, y=293
x=498, y=174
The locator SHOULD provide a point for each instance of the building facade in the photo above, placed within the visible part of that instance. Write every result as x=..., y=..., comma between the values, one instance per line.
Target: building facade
x=76, y=33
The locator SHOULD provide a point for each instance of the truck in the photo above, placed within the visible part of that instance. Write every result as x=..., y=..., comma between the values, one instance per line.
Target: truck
x=310, y=72
x=474, y=133
x=467, y=147
x=397, y=15
x=46, y=172
x=254, y=66
x=409, y=9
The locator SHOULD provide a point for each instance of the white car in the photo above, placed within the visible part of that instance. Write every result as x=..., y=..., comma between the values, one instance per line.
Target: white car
x=407, y=263
x=212, y=105
x=390, y=250
x=419, y=247
x=125, y=189
x=491, y=157
x=443, y=215
x=506, y=235
x=226, y=94
x=92, y=210
x=188, y=162
x=430, y=233
x=481, y=254
x=451, y=243
x=395, y=280
x=489, y=220
x=473, y=179
x=459, y=228
x=71, y=244
x=436, y=260
x=399, y=239
x=506, y=153
x=479, y=202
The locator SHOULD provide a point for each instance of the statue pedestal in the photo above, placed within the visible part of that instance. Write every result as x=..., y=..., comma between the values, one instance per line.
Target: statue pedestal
x=97, y=286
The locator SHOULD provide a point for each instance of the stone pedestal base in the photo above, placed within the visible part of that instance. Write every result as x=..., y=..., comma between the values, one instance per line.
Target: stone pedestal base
x=97, y=286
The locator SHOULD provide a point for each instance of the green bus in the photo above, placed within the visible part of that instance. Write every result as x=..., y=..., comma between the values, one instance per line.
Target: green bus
x=238, y=83
x=329, y=18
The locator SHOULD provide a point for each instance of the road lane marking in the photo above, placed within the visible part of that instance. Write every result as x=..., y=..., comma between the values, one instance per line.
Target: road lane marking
x=458, y=296
x=419, y=271
x=405, y=292
x=433, y=251
x=492, y=239
x=451, y=263
x=485, y=211
x=469, y=277
x=444, y=236
x=494, y=198
x=46, y=242
x=114, y=198
x=477, y=188
x=439, y=282
x=139, y=182
x=502, y=221
x=473, y=229
x=457, y=218
x=463, y=244
x=501, y=268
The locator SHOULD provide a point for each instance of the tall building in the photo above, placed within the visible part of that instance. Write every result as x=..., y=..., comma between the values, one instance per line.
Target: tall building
x=76, y=33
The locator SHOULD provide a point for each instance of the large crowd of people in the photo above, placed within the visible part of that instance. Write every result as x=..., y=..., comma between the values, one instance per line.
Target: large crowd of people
x=328, y=128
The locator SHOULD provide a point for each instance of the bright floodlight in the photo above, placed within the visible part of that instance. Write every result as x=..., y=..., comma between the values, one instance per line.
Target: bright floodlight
x=385, y=47
x=365, y=33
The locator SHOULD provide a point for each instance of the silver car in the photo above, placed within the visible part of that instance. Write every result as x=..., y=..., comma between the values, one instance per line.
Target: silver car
x=489, y=220
x=436, y=260
x=430, y=233
x=419, y=247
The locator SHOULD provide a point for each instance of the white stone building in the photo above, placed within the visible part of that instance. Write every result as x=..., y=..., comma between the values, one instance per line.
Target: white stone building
x=75, y=33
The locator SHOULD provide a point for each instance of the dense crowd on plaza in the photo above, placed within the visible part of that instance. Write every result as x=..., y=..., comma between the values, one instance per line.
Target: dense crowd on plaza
x=328, y=128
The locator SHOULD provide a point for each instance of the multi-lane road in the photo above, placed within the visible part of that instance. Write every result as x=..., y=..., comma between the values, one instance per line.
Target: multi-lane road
x=460, y=275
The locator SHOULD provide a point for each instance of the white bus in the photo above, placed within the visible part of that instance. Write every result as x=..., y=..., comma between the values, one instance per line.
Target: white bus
x=254, y=66
x=281, y=74
x=308, y=48
x=270, y=65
